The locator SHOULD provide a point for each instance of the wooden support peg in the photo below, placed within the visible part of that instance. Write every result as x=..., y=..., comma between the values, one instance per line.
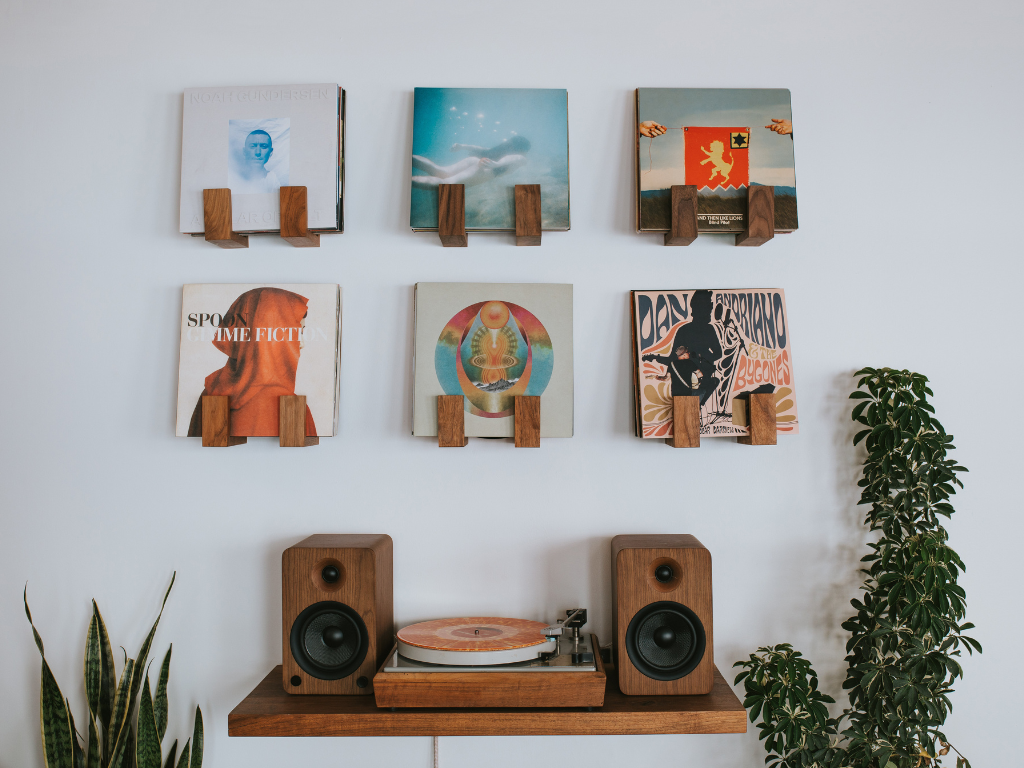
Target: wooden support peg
x=760, y=420
x=217, y=423
x=760, y=216
x=527, y=418
x=684, y=215
x=451, y=421
x=294, y=219
x=451, y=215
x=291, y=422
x=217, y=220
x=528, y=214
x=685, y=422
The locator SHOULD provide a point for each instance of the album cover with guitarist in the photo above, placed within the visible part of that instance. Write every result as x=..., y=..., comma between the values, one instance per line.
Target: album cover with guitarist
x=718, y=345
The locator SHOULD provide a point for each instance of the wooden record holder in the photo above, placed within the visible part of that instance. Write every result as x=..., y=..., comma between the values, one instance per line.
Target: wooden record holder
x=217, y=216
x=491, y=689
x=760, y=420
x=451, y=421
x=760, y=216
x=291, y=423
x=451, y=215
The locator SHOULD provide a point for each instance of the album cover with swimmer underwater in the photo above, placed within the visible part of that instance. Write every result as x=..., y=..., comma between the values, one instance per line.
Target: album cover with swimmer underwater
x=490, y=342
x=723, y=140
x=490, y=139
x=718, y=345
x=254, y=343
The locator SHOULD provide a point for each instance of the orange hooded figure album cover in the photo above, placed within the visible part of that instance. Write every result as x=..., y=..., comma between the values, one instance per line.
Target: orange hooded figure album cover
x=255, y=343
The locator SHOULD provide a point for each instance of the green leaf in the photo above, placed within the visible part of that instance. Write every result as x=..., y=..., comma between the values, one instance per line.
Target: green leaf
x=92, y=759
x=143, y=654
x=160, y=702
x=108, y=682
x=183, y=760
x=147, y=748
x=76, y=747
x=169, y=762
x=93, y=666
x=120, y=725
x=38, y=639
x=197, y=741
x=55, y=721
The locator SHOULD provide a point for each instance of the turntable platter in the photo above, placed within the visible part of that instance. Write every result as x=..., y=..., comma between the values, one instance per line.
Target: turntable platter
x=473, y=641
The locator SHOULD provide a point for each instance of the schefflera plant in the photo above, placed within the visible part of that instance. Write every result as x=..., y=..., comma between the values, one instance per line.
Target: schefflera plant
x=113, y=741
x=906, y=634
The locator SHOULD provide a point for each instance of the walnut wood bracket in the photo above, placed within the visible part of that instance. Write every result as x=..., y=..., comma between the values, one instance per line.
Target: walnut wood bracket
x=451, y=422
x=528, y=231
x=685, y=421
x=760, y=420
x=216, y=426
x=760, y=216
x=217, y=220
x=291, y=422
x=451, y=215
x=684, y=215
x=527, y=419
x=294, y=219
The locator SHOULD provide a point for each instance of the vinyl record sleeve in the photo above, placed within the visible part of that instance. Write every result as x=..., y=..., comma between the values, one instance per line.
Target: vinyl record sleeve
x=255, y=140
x=489, y=140
x=719, y=345
x=721, y=140
x=490, y=342
x=255, y=342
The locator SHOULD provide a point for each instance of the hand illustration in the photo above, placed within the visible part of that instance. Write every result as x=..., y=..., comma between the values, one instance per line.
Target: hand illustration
x=781, y=127
x=650, y=129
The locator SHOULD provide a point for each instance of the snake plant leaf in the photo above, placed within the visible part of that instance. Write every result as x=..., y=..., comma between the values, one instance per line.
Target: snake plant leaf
x=93, y=666
x=77, y=751
x=120, y=724
x=38, y=639
x=143, y=654
x=183, y=760
x=197, y=741
x=160, y=702
x=55, y=721
x=169, y=763
x=108, y=680
x=92, y=758
x=147, y=747
x=128, y=753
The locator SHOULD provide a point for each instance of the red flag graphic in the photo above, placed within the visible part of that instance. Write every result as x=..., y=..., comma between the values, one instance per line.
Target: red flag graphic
x=717, y=157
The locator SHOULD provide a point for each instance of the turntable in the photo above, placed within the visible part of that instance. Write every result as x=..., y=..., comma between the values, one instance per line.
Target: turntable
x=493, y=662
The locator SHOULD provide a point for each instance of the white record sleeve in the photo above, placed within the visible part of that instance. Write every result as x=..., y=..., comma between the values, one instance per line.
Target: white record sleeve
x=254, y=140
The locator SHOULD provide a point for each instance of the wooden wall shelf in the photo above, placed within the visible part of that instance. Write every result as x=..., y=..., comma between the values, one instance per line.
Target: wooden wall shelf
x=269, y=711
x=291, y=423
x=218, y=218
x=451, y=421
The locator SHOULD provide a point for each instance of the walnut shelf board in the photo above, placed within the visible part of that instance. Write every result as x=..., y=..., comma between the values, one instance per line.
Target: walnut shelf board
x=269, y=711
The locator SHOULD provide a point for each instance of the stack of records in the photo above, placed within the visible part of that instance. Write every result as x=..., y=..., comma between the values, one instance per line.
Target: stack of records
x=255, y=140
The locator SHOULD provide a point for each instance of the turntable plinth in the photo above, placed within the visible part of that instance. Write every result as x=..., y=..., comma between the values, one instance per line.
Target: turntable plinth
x=492, y=689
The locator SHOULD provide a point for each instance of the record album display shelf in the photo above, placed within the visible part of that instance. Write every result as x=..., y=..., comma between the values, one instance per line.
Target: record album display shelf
x=269, y=711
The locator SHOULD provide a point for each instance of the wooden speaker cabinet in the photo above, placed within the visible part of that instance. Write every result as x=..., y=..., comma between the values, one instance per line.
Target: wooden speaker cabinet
x=662, y=615
x=338, y=612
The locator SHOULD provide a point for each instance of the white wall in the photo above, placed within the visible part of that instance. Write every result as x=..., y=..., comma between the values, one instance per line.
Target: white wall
x=909, y=163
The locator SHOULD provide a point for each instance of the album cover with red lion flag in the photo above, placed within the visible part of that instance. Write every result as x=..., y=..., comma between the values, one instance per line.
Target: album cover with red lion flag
x=255, y=343
x=721, y=140
x=718, y=345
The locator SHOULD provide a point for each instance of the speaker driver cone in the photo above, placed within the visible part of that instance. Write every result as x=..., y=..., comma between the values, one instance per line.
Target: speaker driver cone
x=665, y=640
x=329, y=640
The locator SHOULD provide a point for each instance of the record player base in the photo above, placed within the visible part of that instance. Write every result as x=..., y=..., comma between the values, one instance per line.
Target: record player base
x=269, y=711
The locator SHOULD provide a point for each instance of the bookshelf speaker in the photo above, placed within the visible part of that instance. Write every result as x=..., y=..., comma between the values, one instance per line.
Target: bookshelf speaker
x=337, y=607
x=662, y=615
